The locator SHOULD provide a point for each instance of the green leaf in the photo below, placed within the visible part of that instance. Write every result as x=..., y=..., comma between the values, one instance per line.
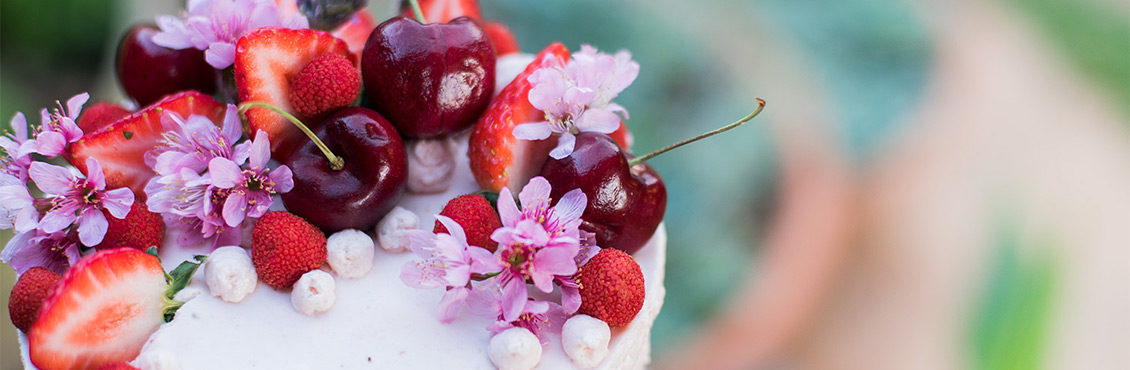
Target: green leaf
x=178, y=279
x=492, y=197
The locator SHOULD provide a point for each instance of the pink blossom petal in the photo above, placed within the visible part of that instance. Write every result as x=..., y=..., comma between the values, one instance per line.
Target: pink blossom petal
x=50, y=143
x=225, y=173
x=26, y=219
x=283, y=179
x=220, y=55
x=570, y=299
x=536, y=193
x=92, y=227
x=117, y=201
x=564, y=146
x=556, y=260
x=95, y=176
x=453, y=228
x=532, y=131
x=235, y=208
x=258, y=203
x=51, y=179
x=508, y=211
x=173, y=35
x=483, y=261
x=71, y=131
x=514, y=297
x=598, y=120
x=452, y=303
x=56, y=220
x=571, y=206
x=15, y=197
x=74, y=105
x=232, y=129
x=260, y=150
x=19, y=126
x=421, y=242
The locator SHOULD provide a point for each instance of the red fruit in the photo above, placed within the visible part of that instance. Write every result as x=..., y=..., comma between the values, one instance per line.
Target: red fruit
x=120, y=148
x=474, y=213
x=355, y=31
x=32, y=288
x=285, y=246
x=498, y=159
x=100, y=115
x=140, y=229
x=611, y=287
x=623, y=137
x=102, y=311
x=502, y=39
x=325, y=84
x=266, y=60
x=443, y=11
x=121, y=365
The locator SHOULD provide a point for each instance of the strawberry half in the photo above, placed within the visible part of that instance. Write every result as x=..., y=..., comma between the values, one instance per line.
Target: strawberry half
x=502, y=39
x=498, y=159
x=355, y=32
x=265, y=61
x=102, y=311
x=443, y=11
x=120, y=148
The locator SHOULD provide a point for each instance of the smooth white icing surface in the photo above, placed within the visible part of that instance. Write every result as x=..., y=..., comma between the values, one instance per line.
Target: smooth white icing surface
x=377, y=320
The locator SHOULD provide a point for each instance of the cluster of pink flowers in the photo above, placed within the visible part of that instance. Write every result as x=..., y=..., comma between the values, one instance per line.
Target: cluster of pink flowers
x=216, y=25
x=73, y=203
x=538, y=243
x=207, y=184
x=577, y=97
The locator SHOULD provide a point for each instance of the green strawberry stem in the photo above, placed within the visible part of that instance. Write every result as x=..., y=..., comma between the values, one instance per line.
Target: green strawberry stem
x=645, y=157
x=419, y=13
x=336, y=162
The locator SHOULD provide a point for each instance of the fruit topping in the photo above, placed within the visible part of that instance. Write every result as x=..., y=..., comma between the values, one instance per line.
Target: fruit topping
x=100, y=115
x=148, y=71
x=27, y=296
x=477, y=217
x=612, y=287
x=328, y=82
x=285, y=246
x=140, y=229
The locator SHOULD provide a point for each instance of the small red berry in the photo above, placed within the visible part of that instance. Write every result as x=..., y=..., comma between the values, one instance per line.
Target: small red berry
x=31, y=289
x=140, y=229
x=611, y=287
x=100, y=115
x=477, y=217
x=285, y=246
x=325, y=84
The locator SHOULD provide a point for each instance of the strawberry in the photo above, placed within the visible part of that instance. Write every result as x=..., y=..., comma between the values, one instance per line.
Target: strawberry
x=443, y=11
x=120, y=148
x=285, y=246
x=611, y=287
x=266, y=60
x=102, y=311
x=140, y=229
x=355, y=31
x=120, y=365
x=100, y=115
x=477, y=217
x=502, y=39
x=498, y=159
x=325, y=84
x=32, y=288
x=623, y=137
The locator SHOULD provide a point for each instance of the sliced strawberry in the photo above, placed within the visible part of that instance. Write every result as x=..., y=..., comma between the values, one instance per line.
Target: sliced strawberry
x=443, y=11
x=503, y=40
x=498, y=159
x=102, y=311
x=120, y=148
x=265, y=61
x=623, y=137
x=355, y=32
x=100, y=115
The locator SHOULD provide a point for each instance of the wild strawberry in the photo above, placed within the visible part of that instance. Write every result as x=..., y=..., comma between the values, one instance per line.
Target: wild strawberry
x=120, y=148
x=611, y=287
x=140, y=229
x=102, y=311
x=27, y=296
x=285, y=246
x=265, y=61
x=325, y=84
x=100, y=115
x=474, y=213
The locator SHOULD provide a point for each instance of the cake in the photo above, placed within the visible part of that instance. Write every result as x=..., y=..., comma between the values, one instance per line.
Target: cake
x=472, y=206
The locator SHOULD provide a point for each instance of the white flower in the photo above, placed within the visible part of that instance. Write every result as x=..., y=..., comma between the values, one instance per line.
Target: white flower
x=350, y=253
x=313, y=294
x=514, y=349
x=585, y=340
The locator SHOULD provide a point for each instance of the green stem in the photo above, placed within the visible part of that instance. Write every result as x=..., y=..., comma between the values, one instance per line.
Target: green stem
x=417, y=11
x=336, y=162
x=645, y=157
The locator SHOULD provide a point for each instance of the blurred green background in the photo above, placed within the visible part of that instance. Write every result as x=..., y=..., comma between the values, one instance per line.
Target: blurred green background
x=873, y=58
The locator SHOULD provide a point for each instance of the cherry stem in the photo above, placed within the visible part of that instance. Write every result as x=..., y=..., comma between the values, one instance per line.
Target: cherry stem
x=417, y=11
x=336, y=162
x=645, y=157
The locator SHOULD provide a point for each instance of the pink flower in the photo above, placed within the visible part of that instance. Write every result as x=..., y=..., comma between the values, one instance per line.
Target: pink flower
x=17, y=207
x=16, y=149
x=55, y=251
x=448, y=262
x=577, y=97
x=539, y=317
x=249, y=190
x=561, y=221
x=72, y=195
x=193, y=142
x=215, y=25
x=58, y=129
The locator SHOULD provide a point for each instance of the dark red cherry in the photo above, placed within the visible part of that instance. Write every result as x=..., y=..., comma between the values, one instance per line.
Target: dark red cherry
x=369, y=184
x=625, y=205
x=148, y=71
x=429, y=80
